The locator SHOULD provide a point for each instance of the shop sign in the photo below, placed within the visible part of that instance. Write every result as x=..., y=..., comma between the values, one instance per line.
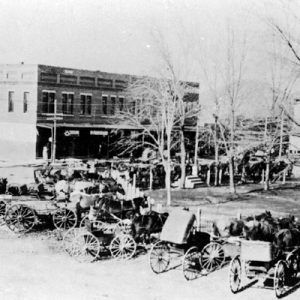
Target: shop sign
x=71, y=132
x=98, y=132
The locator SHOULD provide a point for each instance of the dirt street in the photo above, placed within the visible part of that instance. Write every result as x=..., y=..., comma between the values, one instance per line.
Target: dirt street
x=34, y=266
x=36, y=269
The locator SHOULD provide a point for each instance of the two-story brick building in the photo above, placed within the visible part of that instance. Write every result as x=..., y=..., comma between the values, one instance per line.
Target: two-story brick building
x=86, y=104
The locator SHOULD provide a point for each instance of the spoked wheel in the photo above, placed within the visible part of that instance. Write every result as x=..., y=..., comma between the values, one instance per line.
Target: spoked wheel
x=83, y=221
x=235, y=274
x=68, y=238
x=122, y=246
x=191, y=266
x=64, y=218
x=2, y=212
x=85, y=247
x=280, y=279
x=124, y=226
x=292, y=262
x=159, y=257
x=212, y=257
x=20, y=218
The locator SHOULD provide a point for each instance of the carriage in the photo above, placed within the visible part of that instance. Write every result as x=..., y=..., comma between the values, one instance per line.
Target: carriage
x=22, y=213
x=99, y=236
x=262, y=263
x=182, y=238
x=105, y=230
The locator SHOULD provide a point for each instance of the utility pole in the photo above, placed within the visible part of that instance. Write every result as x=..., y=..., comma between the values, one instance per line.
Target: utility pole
x=54, y=132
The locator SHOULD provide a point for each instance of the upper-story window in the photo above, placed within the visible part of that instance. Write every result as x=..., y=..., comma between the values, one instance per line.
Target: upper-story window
x=85, y=104
x=104, y=104
x=48, y=102
x=11, y=101
x=133, y=107
x=121, y=103
x=67, y=103
x=25, y=102
x=112, y=105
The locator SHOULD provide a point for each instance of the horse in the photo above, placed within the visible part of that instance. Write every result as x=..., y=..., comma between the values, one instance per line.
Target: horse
x=3, y=184
x=144, y=225
x=285, y=239
x=124, y=209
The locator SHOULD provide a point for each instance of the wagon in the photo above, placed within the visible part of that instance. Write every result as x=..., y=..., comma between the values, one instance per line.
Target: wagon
x=189, y=238
x=100, y=236
x=261, y=262
x=22, y=213
x=180, y=238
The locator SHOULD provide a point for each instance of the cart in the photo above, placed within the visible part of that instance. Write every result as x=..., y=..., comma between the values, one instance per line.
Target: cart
x=22, y=213
x=180, y=239
x=261, y=263
x=100, y=236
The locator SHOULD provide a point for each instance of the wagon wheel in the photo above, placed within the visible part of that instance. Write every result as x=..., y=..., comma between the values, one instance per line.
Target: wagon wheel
x=280, y=279
x=83, y=221
x=64, y=218
x=292, y=262
x=84, y=247
x=235, y=274
x=2, y=211
x=159, y=257
x=212, y=257
x=68, y=238
x=122, y=246
x=191, y=266
x=20, y=218
x=124, y=226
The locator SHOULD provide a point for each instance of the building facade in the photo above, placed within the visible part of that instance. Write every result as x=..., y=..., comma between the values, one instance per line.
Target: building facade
x=84, y=103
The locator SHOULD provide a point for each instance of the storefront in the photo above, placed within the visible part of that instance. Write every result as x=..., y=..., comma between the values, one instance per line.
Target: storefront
x=80, y=142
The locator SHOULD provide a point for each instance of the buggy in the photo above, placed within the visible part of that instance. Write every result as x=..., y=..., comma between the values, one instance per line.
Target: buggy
x=98, y=236
x=261, y=262
x=183, y=237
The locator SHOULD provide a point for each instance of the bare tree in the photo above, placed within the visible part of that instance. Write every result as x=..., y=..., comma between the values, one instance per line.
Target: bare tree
x=224, y=77
x=158, y=117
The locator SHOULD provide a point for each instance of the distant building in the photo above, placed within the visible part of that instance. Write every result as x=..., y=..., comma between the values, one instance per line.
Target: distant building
x=87, y=102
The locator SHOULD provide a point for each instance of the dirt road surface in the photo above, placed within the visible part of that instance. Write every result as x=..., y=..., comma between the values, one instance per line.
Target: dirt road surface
x=35, y=267
x=32, y=270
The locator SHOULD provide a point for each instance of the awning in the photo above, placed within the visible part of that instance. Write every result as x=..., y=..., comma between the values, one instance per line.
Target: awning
x=102, y=126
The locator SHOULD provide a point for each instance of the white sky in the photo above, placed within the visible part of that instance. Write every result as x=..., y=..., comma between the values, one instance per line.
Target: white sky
x=109, y=35
x=117, y=35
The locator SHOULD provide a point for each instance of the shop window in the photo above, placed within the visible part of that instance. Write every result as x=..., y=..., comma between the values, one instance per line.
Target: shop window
x=67, y=103
x=104, y=105
x=85, y=104
x=48, y=102
x=11, y=101
x=25, y=102
x=121, y=103
x=112, y=105
x=133, y=107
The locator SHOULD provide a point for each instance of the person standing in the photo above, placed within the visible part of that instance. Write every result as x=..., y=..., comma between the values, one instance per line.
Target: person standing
x=45, y=153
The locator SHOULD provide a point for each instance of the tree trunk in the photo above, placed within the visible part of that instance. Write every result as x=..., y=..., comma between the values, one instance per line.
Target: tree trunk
x=281, y=136
x=267, y=175
x=182, y=160
x=168, y=182
x=216, y=152
x=231, y=176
